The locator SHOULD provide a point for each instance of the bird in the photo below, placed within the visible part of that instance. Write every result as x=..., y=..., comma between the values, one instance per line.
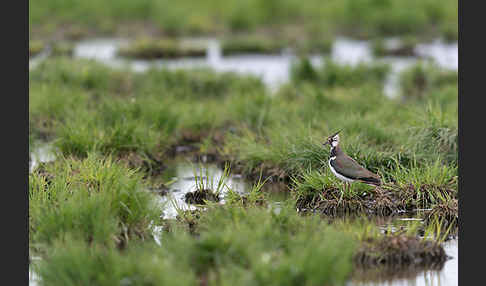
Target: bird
x=346, y=168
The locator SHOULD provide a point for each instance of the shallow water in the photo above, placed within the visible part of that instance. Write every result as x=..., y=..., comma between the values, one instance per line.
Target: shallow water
x=273, y=70
x=35, y=60
x=184, y=181
x=41, y=153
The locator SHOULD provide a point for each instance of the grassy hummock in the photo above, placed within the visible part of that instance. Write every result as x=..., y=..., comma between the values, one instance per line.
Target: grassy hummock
x=147, y=48
x=96, y=200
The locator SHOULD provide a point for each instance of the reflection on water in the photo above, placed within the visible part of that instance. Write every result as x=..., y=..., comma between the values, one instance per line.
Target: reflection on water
x=272, y=69
x=445, y=276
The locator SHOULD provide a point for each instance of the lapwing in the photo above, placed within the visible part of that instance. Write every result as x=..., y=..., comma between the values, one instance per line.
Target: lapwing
x=346, y=168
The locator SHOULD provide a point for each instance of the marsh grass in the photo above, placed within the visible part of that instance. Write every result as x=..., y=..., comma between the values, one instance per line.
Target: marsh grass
x=146, y=48
x=208, y=188
x=73, y=262
x=254, y=196
x=35, y=47
x=96, y=199
x=233, y=245
x=363, y=18
x=404, y=47
x=421, y=78
x=137, y=119
x=332, y=74
x=251, y=45
x=142, y=118
x=62, y=48
x=240, y=245
x=413, y=187
x=267, y=243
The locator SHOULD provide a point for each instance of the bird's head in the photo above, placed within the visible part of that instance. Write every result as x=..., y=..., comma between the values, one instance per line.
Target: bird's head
x=332, y=140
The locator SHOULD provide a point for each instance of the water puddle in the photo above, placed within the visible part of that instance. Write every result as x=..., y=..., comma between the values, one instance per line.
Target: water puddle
x=41, y=153
x=34, y=279
x=273, y=70
x=444, y=54
x=183, y=176
x=35, y=60
x=347, y=51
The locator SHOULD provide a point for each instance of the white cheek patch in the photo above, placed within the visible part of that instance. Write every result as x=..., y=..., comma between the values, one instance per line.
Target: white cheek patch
x=334, y=143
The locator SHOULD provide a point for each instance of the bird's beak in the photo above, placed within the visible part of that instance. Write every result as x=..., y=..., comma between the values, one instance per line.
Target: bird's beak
x=325, y=143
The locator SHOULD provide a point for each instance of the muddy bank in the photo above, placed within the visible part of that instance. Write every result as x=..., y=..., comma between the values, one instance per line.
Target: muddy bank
x=399, y=250
x=385, y=200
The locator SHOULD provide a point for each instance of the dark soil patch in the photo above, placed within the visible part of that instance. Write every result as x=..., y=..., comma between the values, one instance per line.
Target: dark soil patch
x=399, y=250
x=332, y=202
x=200, y=197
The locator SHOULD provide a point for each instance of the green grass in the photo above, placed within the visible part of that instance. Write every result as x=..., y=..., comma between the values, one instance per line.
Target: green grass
x=362, y=18
x=421, y=78
x=74, y=262
x=332, y=74
x=233, y=245
x=117, y=111
x=238, y=245
x=97, y=200
x=248, y=45
x=88, y=210
x=147, y=48
x=35, y=47
x=405, y=47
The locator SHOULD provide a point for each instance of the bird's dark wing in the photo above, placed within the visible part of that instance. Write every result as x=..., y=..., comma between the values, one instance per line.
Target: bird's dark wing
x=348, y=167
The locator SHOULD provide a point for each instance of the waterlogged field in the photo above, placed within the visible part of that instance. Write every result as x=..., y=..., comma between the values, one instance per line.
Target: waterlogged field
x=158, y=160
